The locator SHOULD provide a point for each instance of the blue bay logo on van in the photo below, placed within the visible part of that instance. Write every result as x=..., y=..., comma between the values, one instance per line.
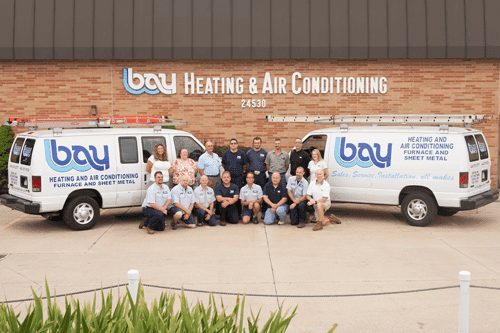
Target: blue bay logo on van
x=362, y=155
x=73, y=160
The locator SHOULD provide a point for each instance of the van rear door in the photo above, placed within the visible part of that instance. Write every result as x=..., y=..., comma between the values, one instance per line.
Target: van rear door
x=479, y=163
x=20, y=177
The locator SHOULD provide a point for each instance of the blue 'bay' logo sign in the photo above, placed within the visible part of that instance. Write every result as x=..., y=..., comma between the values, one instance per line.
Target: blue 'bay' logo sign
x=363, y=155
x=61, y=159
x=151, y=84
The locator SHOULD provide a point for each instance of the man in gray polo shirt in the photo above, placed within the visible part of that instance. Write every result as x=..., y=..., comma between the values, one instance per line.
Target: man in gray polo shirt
x=277, y=160
x=183, y=203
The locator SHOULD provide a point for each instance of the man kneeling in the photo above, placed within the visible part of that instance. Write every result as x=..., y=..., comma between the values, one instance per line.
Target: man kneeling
x=318, y=194
x=227, y=195
x=205, y=198
x=183, y=204
x=275, y=196
x=155, y=205
x=251, y=199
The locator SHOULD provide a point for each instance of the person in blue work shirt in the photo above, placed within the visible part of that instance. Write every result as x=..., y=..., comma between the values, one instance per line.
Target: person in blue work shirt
x=256, y=160
x=297, y=193
x=209, y=165
x=227, y=194
x=275, y=196
x=251, y=199
x=278, y=160
x=204, y=203
x=233, y=160
x=182, y=203
x=155, y=205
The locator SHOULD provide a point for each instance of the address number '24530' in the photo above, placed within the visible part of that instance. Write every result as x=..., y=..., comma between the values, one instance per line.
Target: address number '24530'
x=253, y=103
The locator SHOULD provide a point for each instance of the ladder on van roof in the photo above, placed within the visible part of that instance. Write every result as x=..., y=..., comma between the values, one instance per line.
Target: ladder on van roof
x=444, y=121
x=58, y=123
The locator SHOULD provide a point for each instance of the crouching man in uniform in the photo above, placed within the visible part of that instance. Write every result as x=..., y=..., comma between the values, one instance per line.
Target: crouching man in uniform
x=297, y=194
x=155, y=205
x=318, y=194
x=205, y=198
x=183, y=203
x=251, y=199
x=227, y=195
x=275, y=196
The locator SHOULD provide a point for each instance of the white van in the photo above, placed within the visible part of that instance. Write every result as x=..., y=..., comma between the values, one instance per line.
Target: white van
x=428, y=171
x=72, y=173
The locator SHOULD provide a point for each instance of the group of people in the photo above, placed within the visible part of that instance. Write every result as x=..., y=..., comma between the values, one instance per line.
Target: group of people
x=243, y=189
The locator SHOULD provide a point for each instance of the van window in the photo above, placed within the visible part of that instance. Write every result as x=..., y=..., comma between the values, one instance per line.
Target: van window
x=128, y=150
x=193, y=148
x=315, y=142
x=483, y=149
x=148, y=143
x=471, y=148
x=16, y=150
x=27, y=152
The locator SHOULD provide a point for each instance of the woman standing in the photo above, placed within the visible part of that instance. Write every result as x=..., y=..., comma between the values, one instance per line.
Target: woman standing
x=183, y=165
x=158, y=161
x=316, y=164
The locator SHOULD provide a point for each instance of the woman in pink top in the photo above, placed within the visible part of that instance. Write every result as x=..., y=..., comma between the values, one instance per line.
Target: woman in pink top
x=183, y=165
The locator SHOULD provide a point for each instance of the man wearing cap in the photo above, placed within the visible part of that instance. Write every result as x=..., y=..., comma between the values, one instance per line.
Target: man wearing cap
x=277, y=160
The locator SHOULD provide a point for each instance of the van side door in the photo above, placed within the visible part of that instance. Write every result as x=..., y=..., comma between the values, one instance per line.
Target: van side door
x=128, y=171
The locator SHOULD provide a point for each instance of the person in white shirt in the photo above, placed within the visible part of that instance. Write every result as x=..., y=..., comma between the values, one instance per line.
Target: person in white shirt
x=251, y=199
x=318, y=195
x=158, y=161
x=155, y=205
x=204, y=197
x=316, y=164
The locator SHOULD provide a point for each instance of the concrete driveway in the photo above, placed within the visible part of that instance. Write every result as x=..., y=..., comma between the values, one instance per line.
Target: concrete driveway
x=372, y=251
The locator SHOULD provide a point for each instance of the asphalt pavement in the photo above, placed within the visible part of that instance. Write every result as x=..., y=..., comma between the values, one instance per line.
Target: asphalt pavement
x=374, y=251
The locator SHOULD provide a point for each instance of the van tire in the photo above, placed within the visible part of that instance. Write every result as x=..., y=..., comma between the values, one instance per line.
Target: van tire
x=445, y=211
x=419, y=209
x=81, y=213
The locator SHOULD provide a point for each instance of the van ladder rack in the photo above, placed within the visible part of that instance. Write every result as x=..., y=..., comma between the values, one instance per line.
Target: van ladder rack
x=444, y=121
x=92, y=122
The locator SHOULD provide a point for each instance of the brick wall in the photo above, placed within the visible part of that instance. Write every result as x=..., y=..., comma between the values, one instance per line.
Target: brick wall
x=68, y=88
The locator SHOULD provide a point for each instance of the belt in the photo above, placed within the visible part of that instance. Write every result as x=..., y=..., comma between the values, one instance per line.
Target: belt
x=212, y=176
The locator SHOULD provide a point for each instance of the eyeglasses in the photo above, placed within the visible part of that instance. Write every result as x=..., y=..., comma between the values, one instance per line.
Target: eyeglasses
x=234, y=143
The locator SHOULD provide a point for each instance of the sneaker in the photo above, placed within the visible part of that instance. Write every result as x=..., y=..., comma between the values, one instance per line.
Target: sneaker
x=301, y=225
x=254, y=220
x=222, y=223
x=173, y=225
x=281, y=222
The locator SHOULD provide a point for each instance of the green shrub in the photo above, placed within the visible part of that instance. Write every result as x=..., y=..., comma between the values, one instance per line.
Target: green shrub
x=126, y=316
x=6, y=140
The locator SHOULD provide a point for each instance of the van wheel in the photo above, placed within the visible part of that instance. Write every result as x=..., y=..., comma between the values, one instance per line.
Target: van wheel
x=445, y=211
x=419, y=209
x=81, y=213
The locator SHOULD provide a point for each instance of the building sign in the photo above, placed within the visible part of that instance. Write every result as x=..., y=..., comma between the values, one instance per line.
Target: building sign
x=153, y=84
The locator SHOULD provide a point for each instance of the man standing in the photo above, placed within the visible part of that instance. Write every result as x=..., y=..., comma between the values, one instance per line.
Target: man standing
x=299, y=157
x=227, y=195
x=256, y=159
x=209, y=165
x=275, y=196
x=183, y=203
x=155, y=205
x=251, y=199
x=233, y=161
x=277, y=160
x=297, y=194
x=204, y=201
x=318, y=195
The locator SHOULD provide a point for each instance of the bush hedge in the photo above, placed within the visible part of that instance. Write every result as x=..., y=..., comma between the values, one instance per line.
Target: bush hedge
x=6, y=140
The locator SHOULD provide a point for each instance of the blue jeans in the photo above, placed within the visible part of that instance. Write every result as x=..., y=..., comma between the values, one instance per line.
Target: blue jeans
x=201, y=217
x=298, y=214
x=190, y=220
x=156, y=219
x=280, y=213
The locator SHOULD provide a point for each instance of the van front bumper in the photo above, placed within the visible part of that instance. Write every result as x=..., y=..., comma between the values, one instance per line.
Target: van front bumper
x=479, y=200
x=19, y=204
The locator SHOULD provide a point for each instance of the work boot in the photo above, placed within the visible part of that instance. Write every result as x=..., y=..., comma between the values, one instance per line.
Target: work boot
x=334, y=219
x=173, y=225
x=254, y=220
x=301, y=225
x=222, y=223
x=318, y=226
x=199, y=223
x=141, y=225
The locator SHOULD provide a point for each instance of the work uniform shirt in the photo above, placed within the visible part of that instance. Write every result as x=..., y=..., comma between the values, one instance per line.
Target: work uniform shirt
x=299, y=158
x=209, y=164
x=156, y=194
x=275, y=194
x=183, y=196
x=204, y=197
x=227, y=192
x=234, y=162
x=277, y=163
x=299, y=189
x=319, y=191
x=256, y=160
x=248, y=194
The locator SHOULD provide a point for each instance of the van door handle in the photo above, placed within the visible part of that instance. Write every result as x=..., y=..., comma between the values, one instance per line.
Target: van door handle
x=145, y=177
